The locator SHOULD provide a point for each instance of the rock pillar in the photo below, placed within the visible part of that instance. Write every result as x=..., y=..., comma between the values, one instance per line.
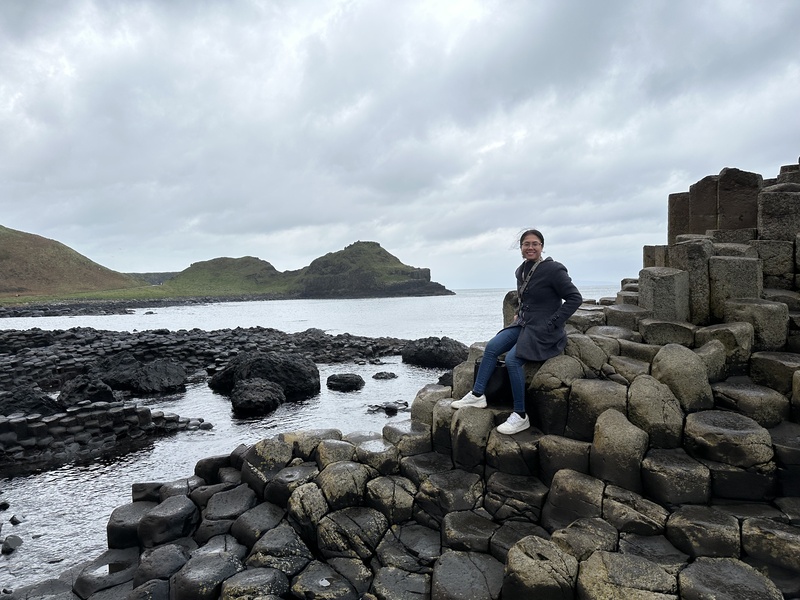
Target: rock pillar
x=692, y=257
x=664, y=292
x=732, y=277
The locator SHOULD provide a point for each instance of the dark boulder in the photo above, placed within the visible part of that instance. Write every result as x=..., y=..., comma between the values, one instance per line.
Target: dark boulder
x=124, y=372
x=385, y=375
x=434, y=352
x=85, y=388
x=28, y=399
x=345, y=382
x=256, y=397
x=296, y=374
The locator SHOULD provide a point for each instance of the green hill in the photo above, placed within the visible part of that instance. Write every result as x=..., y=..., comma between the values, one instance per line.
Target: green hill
x=33, y=268
x=361, y=270
x=34, y=265
x=226, y=276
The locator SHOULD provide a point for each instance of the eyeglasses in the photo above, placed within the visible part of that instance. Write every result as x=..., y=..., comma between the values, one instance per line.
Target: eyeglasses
x=530, y=244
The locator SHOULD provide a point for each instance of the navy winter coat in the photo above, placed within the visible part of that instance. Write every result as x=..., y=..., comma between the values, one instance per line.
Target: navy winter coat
x=544, y=307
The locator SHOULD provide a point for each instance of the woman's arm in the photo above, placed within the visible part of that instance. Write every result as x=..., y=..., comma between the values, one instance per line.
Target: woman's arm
x=566, y=290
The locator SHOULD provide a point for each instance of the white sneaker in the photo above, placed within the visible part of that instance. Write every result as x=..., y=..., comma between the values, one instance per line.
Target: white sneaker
x=470, y=399
x=514, y=424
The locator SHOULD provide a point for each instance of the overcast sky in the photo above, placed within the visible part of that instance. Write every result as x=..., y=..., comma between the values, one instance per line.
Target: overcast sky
x=148, y=135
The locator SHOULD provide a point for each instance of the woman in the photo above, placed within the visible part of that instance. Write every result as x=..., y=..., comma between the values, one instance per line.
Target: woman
x=547, y=298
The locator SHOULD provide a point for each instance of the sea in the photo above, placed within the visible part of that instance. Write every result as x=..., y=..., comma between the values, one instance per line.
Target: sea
x=62, y=514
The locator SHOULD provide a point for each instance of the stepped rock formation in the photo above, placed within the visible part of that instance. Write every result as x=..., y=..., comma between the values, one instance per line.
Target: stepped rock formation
x=665, y=461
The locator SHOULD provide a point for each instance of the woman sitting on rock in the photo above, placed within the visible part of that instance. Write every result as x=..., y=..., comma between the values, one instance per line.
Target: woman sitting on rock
x=547, y=298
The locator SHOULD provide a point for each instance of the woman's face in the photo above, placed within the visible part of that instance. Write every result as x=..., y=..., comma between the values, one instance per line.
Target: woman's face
x=531, y=247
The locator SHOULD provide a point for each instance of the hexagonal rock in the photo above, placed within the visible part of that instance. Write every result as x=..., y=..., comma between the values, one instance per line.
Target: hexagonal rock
x=725, y=578
x=614, y=575
x=425, y=401
x=557, y=453
x=393, y=495
x=344, y=483
x=201, y=578
x=585, y=536
x=306, y=507
x=626, y=316
x=514, y=497
x=737, y=337
x=588, y=399
x=660, y=332
x=685, y=374
x=654, y=408
x=255, y=583
x=280, y=548
x=230, y=504
x=354, y=571
x=409, y=436
x=123, y=524
x=411, y=547
x=713, y=355
x=458, y=575
x=778, y=217
x=440, y=426
x=174, y=518
x=773, y=542
x=322, y=582
x=764, y=405
x=155, y=589
x=617, y=450
x=262, y=460
x=421, y=466
x=304, y=442
x=514, y=454
x=445, y=492
x=510, y=533
x=774, y=369
x=655, y=548
x=288, y=479
x=732, y=277
x=629, y=368
x=727, y=437
x=704, y=531
x=468, y=531
x=331, y=451
x=770, y=321
x=631, y=513
x=673, y=477
x=586, y=350
x=469, y=434
x=664, y=291
x=160, y=563
x=572, y=496
x=251, y=525
x=786, y=441
x=351, y=532
x=110, y=569
x=391, y=582
x=754, y=483
x=538, y=568
x=379, y=454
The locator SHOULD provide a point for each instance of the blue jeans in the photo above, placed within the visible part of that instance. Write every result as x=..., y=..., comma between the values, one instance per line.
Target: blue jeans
x=504, y=341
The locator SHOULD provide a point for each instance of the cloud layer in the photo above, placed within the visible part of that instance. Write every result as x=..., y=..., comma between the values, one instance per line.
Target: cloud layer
x=148, y=135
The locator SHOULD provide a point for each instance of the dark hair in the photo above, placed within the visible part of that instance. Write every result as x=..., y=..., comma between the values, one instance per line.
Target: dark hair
x=528, y=232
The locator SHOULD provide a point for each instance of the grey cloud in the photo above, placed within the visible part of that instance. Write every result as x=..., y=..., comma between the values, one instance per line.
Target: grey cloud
x=155, y=134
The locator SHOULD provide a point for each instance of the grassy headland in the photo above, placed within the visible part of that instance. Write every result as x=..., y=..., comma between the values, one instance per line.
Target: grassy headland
x=34, y=269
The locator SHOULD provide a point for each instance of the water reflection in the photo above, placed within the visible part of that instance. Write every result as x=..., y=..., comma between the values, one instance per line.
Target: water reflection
x=66, y=510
